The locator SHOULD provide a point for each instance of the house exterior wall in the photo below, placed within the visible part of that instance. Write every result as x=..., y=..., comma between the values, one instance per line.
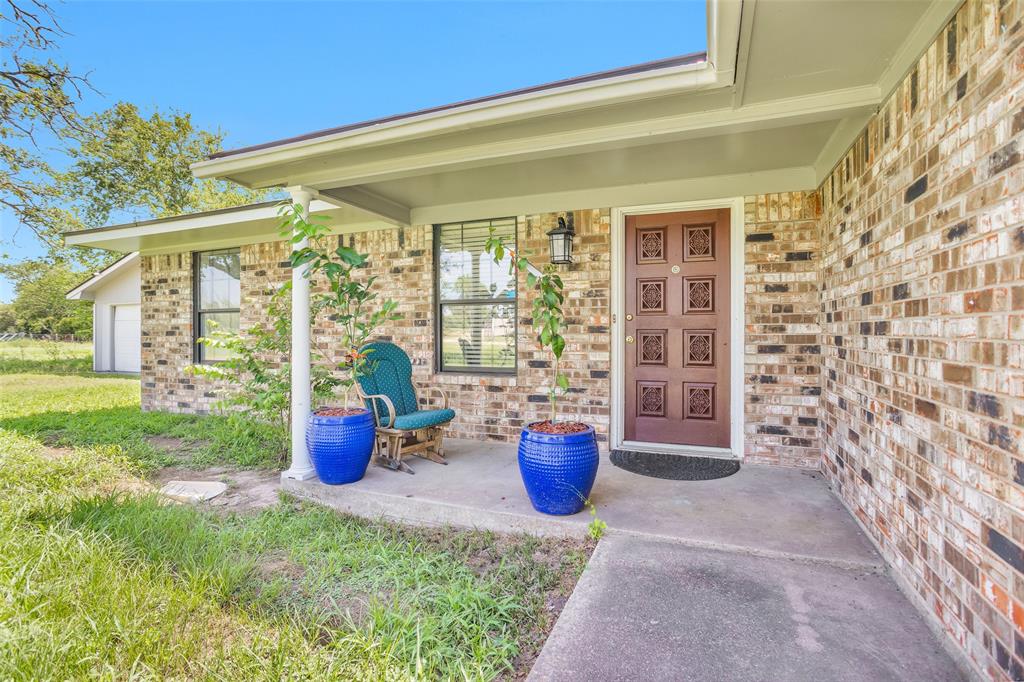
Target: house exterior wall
x=782, y=381
x=122, y=288
x=489, y=407
x=781, y=371
x=922, y=276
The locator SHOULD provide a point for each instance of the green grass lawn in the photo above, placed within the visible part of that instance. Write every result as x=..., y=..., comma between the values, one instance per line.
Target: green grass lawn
x=100, y=578
x=58, y=357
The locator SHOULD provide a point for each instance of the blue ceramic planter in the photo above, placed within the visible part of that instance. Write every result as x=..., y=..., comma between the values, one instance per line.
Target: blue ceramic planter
x=340, y=447
x=558, y=470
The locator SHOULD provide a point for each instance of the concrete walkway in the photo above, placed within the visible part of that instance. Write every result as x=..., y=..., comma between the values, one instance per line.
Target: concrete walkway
x=759, y=576
x=656, y=610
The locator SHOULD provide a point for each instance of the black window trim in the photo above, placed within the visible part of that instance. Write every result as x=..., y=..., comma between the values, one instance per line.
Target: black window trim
x=198, y=311
x=439, y=365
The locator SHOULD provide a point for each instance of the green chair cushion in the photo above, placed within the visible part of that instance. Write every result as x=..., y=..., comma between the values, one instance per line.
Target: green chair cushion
x=424, y=418
x=391, y=376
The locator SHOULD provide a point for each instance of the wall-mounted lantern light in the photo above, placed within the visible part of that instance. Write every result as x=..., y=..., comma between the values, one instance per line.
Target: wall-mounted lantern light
x=561, y=241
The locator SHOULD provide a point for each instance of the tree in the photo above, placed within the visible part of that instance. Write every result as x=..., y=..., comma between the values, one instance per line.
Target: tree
x=37, y=97
x=121, y=163
x=39, y=305
x=124, y=162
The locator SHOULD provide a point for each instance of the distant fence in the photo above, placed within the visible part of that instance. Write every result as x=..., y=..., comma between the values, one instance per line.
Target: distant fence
x=64, y=338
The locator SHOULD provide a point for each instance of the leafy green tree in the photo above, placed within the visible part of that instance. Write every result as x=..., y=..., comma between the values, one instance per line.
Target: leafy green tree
x=120, y=162
x=8, y=322
x=256, y=375
x=349, y=300
x=38, y=97
x=548, y=317
x=39, y=305
x=124, y=162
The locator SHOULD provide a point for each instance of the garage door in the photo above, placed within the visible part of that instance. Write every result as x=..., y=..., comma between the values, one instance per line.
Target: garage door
x=127, y=338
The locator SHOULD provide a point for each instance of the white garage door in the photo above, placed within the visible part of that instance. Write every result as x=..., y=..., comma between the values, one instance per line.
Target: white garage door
x=127, y=338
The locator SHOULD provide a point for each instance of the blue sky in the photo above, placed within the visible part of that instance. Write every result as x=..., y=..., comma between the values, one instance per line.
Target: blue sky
x=232, y=64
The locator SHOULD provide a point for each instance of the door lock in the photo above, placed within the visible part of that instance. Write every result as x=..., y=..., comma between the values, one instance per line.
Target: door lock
x=629, y=339
x=628, y=318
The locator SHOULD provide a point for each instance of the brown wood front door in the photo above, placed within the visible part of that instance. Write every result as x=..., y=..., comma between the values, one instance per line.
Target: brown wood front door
x=677, y=328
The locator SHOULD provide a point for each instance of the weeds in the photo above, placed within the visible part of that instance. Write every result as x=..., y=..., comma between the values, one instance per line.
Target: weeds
x=101, y=579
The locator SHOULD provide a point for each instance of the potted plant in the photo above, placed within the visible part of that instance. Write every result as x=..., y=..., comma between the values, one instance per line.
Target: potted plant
x=340, y=439
x=557, y=459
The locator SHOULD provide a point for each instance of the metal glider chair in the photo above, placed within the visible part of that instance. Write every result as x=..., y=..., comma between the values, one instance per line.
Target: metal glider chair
x=402, y=427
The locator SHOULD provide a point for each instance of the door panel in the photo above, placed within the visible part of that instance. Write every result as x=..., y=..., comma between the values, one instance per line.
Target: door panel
x=127, y=338
x=677, y=328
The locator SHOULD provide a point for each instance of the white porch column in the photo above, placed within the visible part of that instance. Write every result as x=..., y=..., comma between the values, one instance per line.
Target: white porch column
x=301, y=467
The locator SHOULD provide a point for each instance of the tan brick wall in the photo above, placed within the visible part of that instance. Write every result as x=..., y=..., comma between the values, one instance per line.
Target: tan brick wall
x=782, y=343
x=923, y=323
x=167, y=336
x=496, y=407
x=781, y=303
x=489, y=407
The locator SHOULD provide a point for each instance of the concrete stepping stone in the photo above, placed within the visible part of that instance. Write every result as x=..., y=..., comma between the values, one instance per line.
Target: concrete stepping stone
x=193, y=492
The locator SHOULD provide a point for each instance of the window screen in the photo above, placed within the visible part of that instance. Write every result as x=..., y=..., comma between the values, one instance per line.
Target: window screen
x=218, y=295
x=476, y=330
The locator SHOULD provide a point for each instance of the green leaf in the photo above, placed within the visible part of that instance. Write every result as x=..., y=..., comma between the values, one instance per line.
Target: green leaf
x=558, y=345
x=562, y=381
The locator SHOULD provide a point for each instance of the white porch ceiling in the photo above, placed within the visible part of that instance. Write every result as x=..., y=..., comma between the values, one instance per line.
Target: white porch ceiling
x=761, y=150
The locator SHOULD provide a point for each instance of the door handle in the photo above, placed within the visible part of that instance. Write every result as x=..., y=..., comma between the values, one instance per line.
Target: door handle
x=629, y=339
x=629, y=318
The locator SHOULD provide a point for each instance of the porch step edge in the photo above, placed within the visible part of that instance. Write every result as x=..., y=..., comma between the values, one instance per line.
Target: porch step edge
x=414, y=511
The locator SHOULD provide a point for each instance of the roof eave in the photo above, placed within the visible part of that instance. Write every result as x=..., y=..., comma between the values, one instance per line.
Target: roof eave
x=695, y=76
x=77, y=294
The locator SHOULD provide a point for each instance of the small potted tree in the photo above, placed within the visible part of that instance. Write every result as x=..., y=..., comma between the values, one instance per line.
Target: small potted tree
x=557, y=459
x=340, y=439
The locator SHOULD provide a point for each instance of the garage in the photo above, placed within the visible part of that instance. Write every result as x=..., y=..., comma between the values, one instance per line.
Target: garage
x=127, y=338
x=116, y=295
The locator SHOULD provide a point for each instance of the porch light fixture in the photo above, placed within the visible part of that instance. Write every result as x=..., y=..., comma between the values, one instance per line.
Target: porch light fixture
x=561, y=241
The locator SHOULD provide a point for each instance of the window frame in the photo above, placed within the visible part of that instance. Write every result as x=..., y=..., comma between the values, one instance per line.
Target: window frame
x=198, y=311
x=439, y=364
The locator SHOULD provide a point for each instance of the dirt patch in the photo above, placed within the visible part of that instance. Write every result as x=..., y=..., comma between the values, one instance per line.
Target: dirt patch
x=552, y=553
x=178, y=448
x=275, y=566
x=248, y=490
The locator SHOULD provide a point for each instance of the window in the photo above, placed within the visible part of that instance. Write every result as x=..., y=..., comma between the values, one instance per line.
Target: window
x=217, y=297
x=476, y=315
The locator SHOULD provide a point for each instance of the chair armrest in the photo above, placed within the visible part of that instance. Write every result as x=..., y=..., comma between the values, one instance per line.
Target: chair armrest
x=444, y=396
x=373, y=403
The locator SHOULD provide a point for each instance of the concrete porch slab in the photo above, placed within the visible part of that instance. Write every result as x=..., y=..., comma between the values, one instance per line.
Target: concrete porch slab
x=766, y=511
x=655, y=610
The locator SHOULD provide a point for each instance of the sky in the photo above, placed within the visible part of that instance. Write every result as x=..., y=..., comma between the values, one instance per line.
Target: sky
x=260, y=71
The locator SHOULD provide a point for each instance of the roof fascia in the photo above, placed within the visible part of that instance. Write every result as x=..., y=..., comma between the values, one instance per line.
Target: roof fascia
x=722, y=121
x=180, y=223
x=558, y=100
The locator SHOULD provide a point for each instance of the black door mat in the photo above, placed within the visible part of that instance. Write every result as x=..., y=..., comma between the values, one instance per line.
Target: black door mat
x=675, y=467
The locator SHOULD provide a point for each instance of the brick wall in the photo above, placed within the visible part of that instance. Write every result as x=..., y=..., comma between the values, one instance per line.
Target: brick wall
x=782, y=344
x=167, y=337
x=495, y=407
x=489, y=407
x=923, y=322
